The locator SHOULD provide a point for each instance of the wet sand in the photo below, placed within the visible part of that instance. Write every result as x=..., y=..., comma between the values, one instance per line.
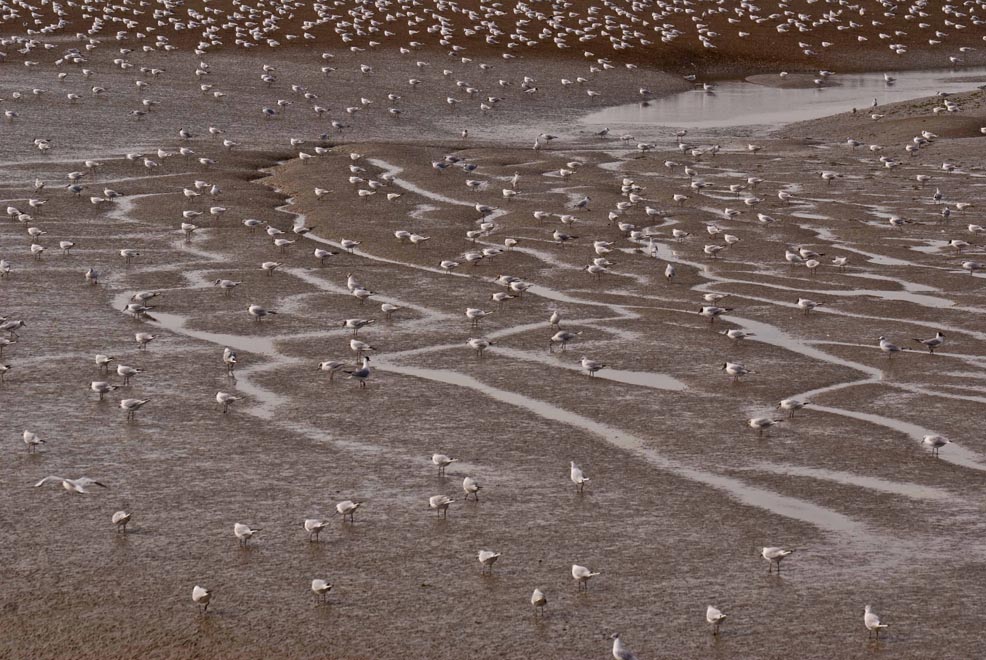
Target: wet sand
x=682, y=495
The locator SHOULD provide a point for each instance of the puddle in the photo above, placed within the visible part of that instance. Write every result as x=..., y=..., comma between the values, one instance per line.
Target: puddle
x=951, y=454
x=740, y=491
x=913, y=491
x=641, y=378
x=745, y=104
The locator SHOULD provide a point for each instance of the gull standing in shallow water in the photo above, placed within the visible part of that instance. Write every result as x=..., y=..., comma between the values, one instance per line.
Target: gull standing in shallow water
x=442, y=461
x=258, y=312
x=715, y=617
x=888, y=347
x=440, y=504
x=244, y=532
x=120, y=519
x=934, y=442
x=935, y=342
x=578, y=477
x=314, y=527
x=591, y=366
x=620, y=651
x=331, y=366
x=761, y=424
x=582, y=575
x=471, y=487
x=348, y=508
x=362, y=374
x=321, y=589
x=562, y=337
x=102, y=387
x=201, y=596
x=792, y=405
x=132, y=406
x=226, y=399
x=487, y=558
x=32, y=441
x=774, y=556
x=872, y=622
x=539, y=601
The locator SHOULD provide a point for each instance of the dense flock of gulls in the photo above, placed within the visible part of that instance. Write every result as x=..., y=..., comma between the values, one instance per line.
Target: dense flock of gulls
x=451, y=27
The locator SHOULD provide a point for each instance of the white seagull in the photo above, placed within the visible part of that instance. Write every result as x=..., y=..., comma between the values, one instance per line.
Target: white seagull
x=487, y=558
x=244, y=532
x=79, y=485
x=774, y=556
x=872, y=622
x=582, y=575
x=202, y=596
x=578, y=477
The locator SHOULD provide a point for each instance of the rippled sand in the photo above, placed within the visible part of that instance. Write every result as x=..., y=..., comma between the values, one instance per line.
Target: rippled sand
x=682, y=495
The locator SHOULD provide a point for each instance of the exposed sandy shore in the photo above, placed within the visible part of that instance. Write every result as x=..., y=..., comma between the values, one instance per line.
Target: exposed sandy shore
x=683, y=493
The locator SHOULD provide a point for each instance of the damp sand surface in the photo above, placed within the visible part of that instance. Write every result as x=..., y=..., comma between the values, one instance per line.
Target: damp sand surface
x=682, y=493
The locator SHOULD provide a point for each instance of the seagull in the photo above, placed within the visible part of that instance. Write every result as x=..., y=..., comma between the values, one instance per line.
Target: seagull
x=487, y=558
x=362, y=374
x=562, y=337
x=712, y=312
x=269, y=267
x=935, y=442
x=591, y=366
x=102, y=387
x=792, y=405
x=736, y=370
x=471, y=487
x=321, y=589
x=440, y=503
x=258, y=312
x=872, y=622
x=127, y=372
x=620, y=651
x=331, y=366
x=120, y=519
x=935, y=342
x=761, y=424
x=774, y=556
x=715, y=617
x=476, y=315
x=229, y=359
x=735, y=334
x=539, y=601
x=143, y=339
x=356, y=324
x=807, y=305
x=227, y=286
x=132, y=406
x=578, y=477
x=79, y=485
x=32, y=441
x=582, y=575
x=244, y=532
x=225, y=400
x=314, y=527
x=442, y=461
x=201, y=596
x=479, y=344
x=888, y=347
x=348, y=508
